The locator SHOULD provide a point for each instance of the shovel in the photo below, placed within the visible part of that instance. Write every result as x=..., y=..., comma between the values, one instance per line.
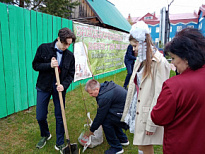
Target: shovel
x=69, y=148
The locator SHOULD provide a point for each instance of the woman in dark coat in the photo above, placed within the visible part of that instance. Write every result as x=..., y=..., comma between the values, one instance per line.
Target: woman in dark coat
x=180, y=106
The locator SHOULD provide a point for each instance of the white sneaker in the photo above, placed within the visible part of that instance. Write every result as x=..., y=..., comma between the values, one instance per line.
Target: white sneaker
x=114, y=150
x=126, y=143
x=119, y=152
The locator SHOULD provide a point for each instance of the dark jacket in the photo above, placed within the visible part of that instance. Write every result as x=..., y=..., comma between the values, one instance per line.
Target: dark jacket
x=111, y=101
x=129, y=56
x=42, y=63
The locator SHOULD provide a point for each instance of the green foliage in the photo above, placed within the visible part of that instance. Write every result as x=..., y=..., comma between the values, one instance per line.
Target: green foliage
x=60, y=8
x=26, y=3
x=6, y=1
x=172, y=73
x=161, y=45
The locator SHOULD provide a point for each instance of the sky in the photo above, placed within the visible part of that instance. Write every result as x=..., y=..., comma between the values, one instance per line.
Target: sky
x=138, y=8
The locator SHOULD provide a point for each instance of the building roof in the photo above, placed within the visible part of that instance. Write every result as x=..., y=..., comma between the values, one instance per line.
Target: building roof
x=174, y=18
x=202, y=9
x=150, y=21
x=108, y=14
x=183, y=17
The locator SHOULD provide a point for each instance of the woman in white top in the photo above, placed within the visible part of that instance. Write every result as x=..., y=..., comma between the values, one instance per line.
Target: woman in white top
x=151, y=69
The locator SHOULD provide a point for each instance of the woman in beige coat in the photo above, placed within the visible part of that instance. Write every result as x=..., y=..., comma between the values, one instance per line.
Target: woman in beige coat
x=151, y=69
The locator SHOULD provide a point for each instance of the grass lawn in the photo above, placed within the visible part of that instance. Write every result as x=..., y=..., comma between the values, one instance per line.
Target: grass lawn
x=20, y=132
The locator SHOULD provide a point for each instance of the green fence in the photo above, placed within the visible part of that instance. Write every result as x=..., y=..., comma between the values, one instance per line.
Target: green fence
x=21, y=32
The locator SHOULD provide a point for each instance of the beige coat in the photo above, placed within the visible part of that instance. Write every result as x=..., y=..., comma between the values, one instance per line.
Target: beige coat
x=149, y=91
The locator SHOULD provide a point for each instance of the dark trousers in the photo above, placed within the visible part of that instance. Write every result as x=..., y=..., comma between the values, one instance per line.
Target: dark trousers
x=113, y=133
x=129, y=68
x=42, y=111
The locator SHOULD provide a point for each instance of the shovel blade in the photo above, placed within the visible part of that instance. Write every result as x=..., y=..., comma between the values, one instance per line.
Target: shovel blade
x=72, y=149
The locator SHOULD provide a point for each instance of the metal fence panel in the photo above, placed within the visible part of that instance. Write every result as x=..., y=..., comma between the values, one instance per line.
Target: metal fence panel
x=29, y=56
x=6, y=52
x=3, y=107
x=14, y=58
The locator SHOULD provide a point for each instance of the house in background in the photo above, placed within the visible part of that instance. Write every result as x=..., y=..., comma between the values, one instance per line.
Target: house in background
x=177, y=22
x=100, y=13
x=181, y=21
x=201, y=19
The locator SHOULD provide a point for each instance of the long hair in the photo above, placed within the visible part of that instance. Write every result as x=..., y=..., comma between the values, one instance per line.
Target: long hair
x=149, y=54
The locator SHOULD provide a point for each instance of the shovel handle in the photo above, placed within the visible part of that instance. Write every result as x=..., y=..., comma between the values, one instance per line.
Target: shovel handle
x=61, y=104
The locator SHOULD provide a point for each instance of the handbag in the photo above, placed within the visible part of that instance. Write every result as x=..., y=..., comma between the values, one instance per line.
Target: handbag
x=93, y=140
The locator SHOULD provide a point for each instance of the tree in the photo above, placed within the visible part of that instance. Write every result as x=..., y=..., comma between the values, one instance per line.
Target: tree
x=21, y=3
x=61, y=8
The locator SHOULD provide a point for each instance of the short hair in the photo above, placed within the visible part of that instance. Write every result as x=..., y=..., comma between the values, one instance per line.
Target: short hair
x=66, y=33
x=188, y=44
x=92, y=84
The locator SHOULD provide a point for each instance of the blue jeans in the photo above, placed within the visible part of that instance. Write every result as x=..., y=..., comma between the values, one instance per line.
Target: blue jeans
x=129, y=68
x=42, y=111
x=113, y=133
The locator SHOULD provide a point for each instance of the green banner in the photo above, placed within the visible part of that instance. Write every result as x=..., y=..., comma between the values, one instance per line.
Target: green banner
x=103, y=50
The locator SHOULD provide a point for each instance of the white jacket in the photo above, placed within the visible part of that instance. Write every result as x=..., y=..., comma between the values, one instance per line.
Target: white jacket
x=149, y=91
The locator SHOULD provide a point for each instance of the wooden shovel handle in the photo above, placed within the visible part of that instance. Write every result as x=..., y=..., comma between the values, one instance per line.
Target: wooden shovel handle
x=61, y=103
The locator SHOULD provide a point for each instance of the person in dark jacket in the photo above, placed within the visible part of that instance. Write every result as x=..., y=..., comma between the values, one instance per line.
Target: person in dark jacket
x=49, y=56
x=110, y=98
x=129, y=61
